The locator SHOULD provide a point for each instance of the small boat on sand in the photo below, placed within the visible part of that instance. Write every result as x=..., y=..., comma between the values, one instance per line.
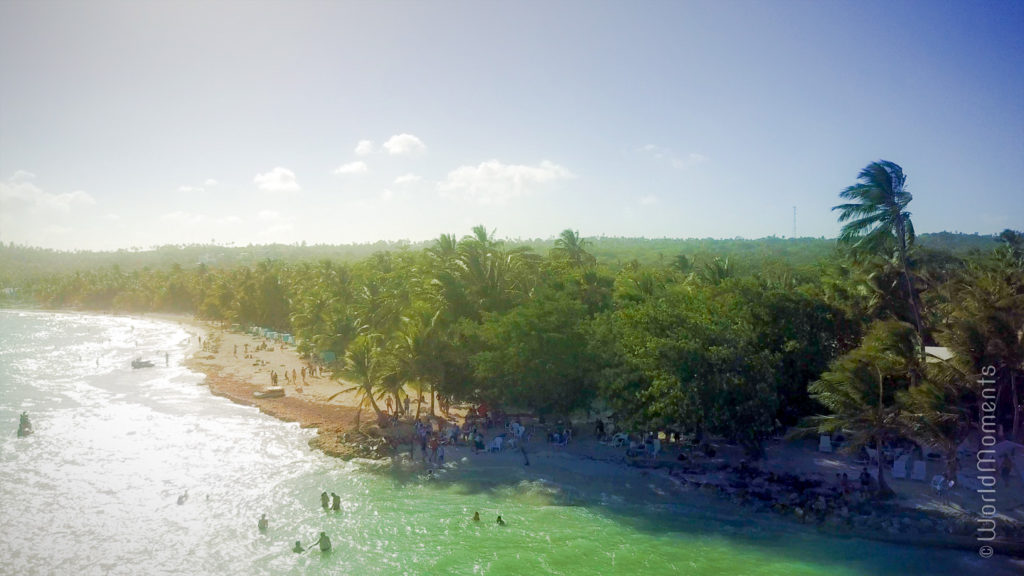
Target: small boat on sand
x=140, y=363
x=272, y=392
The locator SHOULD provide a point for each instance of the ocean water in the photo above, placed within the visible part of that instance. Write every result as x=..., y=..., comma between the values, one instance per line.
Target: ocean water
x=95, y=490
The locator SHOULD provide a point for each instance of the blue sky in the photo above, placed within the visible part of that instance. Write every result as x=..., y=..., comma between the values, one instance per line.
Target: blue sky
x=127, y=124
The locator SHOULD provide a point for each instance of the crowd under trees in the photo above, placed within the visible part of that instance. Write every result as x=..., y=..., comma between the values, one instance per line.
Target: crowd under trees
x=727, y=345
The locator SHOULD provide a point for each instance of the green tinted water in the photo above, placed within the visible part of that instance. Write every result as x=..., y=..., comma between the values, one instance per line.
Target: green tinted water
x=95, y=490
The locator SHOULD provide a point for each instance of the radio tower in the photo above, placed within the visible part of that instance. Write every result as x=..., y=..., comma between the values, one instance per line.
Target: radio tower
x=794, y=221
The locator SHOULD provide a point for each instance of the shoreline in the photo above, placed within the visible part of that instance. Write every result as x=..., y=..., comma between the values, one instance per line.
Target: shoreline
x=584, y=466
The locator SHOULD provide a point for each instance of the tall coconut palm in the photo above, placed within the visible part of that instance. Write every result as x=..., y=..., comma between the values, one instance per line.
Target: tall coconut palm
x=570, y=248
x=876, y=218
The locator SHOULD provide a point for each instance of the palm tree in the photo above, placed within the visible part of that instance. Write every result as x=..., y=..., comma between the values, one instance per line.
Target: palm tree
x=569, y=247
x=877, y=216
x=860, y=389
x=369, y=368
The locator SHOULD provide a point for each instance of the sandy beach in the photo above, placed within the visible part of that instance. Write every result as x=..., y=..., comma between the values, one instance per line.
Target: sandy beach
x=236, y=366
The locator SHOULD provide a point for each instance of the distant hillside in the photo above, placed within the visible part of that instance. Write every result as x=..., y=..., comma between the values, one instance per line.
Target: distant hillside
x=20, y=263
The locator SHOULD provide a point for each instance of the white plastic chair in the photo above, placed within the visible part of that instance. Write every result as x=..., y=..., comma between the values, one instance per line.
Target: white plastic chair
x=825, y=443
x=939, y=483
x=495, y=445
x=899, y=467
x=919, y=471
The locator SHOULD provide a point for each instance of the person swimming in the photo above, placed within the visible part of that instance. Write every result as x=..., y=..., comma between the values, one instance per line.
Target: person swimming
x=500, y=522
x=476, y=516
x=263, y=523
x=298, y=549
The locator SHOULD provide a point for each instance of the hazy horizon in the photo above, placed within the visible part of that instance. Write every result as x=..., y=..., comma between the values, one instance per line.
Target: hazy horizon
x=142, y=125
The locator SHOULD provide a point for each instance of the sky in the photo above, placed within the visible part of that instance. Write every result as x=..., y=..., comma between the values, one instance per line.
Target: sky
x=138, y=124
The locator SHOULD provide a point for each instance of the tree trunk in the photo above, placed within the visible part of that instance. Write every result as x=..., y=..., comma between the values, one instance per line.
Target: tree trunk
x=373, y=403
x=951, y=465
x=432, y=413
x=883, y=487
x=1016, y=405
x=901, y=230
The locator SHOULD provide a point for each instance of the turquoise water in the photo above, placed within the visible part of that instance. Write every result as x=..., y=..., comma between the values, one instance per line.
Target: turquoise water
x=95, y=489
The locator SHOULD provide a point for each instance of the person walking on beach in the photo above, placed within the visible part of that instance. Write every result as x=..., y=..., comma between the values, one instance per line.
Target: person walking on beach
x=388, y=402
x=433, y=448
x=406, y=404
x=325, y=500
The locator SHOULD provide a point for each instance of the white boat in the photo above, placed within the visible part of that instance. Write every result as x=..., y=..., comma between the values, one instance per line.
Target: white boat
x=272, y=392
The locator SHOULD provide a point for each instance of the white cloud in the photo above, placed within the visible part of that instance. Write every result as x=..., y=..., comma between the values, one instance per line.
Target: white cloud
x=183, y=218
x=404, y=144
x=273, y=224
x=492, y=182
x=23, y=176
x=364, y=148
x=407, y=179
x=277, y=180
x=67, y=200
x=210, y=183
x=189, y=189
x=386, y=195
x=357, y=167
x=19, y=193
x=649, y=200
x=667, y=155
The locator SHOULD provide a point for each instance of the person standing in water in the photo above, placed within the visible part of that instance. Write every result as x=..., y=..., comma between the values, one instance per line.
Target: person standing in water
x=500, y=522
x=324, y=542
x=298, y=549
x=335, y=502
x=325, y=500
x=476, y=516
x=263, y=523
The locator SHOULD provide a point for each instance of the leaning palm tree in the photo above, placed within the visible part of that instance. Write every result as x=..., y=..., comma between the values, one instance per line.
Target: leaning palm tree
x=369, y=368
x=860, y=389
x=876, y=216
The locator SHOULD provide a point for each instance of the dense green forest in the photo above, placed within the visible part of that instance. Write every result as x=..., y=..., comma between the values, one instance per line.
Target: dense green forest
x=730, y=338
